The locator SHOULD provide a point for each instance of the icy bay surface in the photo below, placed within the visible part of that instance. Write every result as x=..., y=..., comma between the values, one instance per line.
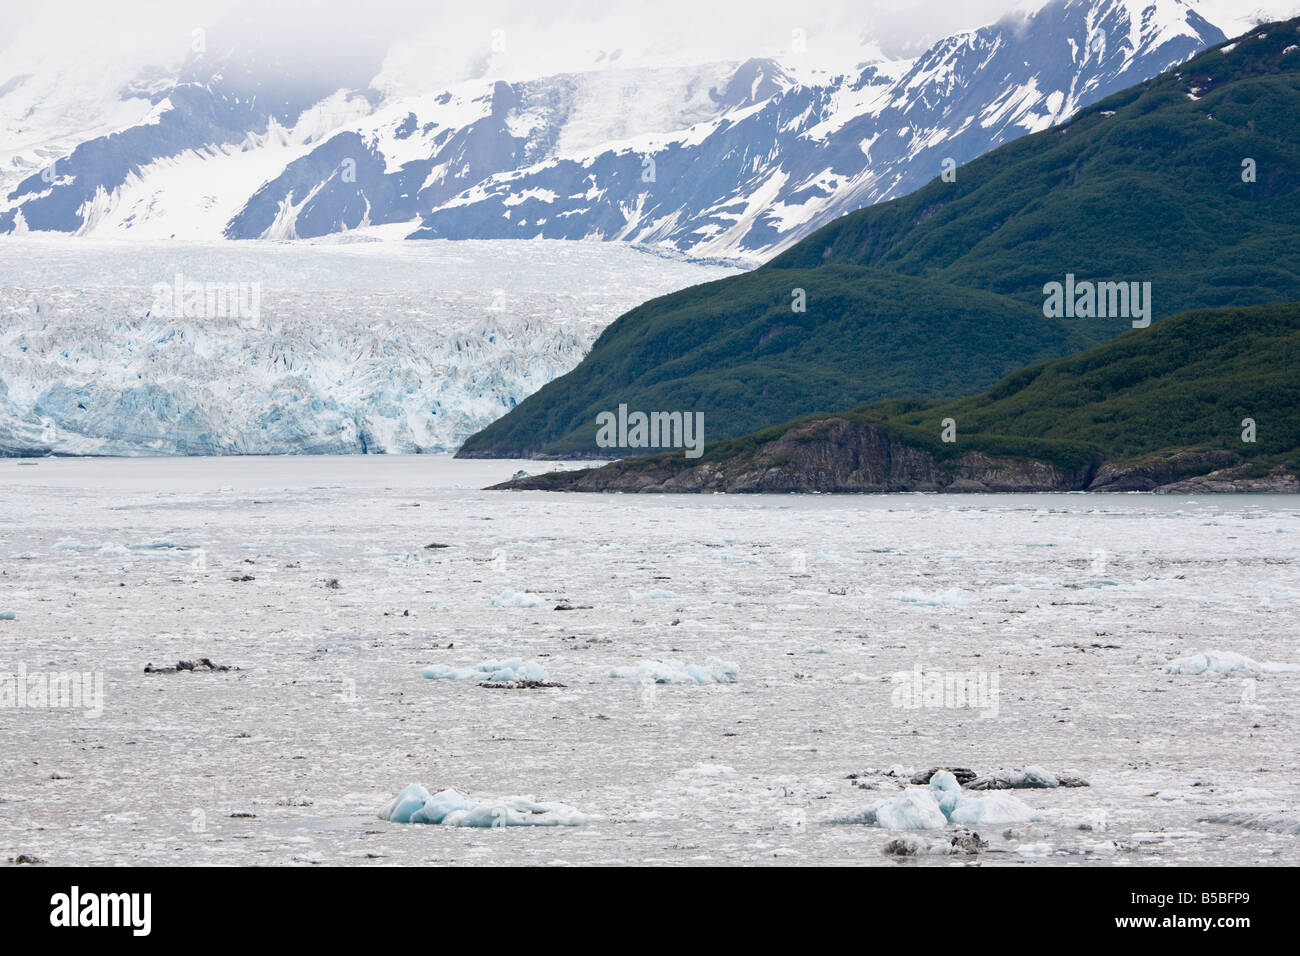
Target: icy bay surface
x=343, y=345
x=314, y=577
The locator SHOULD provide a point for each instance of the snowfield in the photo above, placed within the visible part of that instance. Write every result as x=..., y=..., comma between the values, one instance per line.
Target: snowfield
x=314, y=580
x=338, y=346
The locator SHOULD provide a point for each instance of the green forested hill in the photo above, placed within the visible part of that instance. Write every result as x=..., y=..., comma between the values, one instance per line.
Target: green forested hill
x=1154, y=405
x=1186, y=383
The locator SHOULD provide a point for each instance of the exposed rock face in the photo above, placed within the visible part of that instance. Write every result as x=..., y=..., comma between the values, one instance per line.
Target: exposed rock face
x=1225, y=481
x=825, y=455
x=1155, y=471
x=836, y=455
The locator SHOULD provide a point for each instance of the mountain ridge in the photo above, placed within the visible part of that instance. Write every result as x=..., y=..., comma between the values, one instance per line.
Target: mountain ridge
x=741, y=159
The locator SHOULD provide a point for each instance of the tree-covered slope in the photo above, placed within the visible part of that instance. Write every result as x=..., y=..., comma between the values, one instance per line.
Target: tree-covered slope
x=940, y=293
x=1149, y=408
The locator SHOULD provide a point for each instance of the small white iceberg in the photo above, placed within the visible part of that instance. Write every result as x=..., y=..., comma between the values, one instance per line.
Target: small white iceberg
x=451, y=809
x=494, y=672
x=672, y=671
x=508, y=598
x=952, y=597
x=8, y=616
x=1226, y=662
x=941, y=803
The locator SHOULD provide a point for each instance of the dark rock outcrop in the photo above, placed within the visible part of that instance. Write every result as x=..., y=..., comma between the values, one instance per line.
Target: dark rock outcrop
x=835, y=455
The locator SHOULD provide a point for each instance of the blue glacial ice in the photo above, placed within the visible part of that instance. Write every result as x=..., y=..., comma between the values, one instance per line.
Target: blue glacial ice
x=508, y=598
x=496, y=672
x=941, y=803
x=951, y=597
x=654, y=594
x=452, y=809
x=8, y=616
x=672, y=671
x=1226, y=662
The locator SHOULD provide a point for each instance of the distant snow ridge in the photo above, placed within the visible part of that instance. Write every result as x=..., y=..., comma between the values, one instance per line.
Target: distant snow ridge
x=449, y=808
x=739, y=159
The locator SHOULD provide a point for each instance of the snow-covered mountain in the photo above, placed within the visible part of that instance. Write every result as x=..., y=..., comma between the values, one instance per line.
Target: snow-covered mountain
x=717, y=158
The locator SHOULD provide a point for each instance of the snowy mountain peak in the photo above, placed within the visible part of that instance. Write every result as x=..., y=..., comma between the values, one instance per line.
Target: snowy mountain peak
x=736, y=158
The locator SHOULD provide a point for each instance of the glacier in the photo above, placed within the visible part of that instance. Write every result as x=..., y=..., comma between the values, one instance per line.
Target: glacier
x=357, y=346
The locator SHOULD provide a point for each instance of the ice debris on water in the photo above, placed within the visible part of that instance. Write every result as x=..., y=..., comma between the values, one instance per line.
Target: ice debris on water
x=672, y=671
x=952, y=597
x=908, y=845
x=941, y=803
x=496, y=672
x=1278, y=821
x=451, y=809
x=1030, y=778
x=508, y=598
x=1226, y=662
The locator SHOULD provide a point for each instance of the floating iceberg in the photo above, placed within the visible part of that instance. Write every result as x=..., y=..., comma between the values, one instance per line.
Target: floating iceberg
x=8, y=616
x=914, y=809
x=939, y=804
x=992, y=810
x=656, y=594
x=952, y=597
x=671, y=671
x=495, y=672
x=72, y=544
x=1226, y=662
x=451, y=809
x=508, y=598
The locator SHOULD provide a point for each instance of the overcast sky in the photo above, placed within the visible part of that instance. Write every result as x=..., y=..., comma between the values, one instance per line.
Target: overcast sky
x=434, y=41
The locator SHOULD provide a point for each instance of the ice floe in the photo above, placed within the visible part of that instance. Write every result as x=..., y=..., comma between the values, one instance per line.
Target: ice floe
x=508, y=598
x=672, y=671
x=1274, y=821
x=1226, y=662
x=941, y=803
x=452, y=809
x=495, y=672
x=951, y=597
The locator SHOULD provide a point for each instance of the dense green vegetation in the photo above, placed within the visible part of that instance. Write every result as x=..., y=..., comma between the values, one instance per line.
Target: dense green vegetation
x=940, y=293
x=1188, y=382
x=1185, y=384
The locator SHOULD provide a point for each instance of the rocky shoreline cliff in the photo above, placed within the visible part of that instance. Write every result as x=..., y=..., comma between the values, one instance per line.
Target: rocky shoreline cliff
x=838, y=456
